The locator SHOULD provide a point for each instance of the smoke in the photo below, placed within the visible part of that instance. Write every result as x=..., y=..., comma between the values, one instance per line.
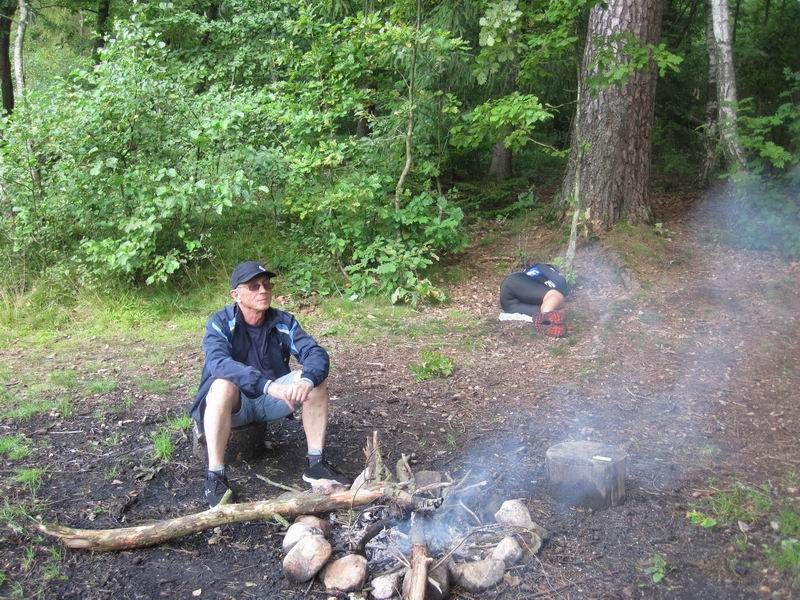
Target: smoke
x=678, y=334
x=689, y=331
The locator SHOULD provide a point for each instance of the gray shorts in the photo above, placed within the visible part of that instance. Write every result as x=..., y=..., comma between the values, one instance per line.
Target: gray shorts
x=265, y=407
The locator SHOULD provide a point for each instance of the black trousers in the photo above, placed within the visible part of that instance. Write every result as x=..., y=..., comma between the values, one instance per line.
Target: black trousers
x=520, y=293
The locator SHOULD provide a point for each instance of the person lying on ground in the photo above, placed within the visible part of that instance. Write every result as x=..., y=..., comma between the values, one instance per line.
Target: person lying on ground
x=246, y=377
x=539, y=292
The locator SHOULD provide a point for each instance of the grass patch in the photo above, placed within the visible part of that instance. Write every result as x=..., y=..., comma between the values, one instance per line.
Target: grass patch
x=100, y=386
x=638, y=245
x=31, y=478
x=710, y=450
x=786, y=557
x=154, y=386
x=66, y=408
x=180, y=423
x=23, y=407
x=13, y=515
x=14, y=447
x=65, y=378
x=163, y=448
x=363, y=321
x=728, y=506
x=28, y=558
x=449, y=274
x=741, y=503
x=52, y=570
x=432, y=365
x=789, y=523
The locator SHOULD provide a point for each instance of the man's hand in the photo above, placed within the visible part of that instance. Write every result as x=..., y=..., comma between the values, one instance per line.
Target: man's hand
x=293, y=394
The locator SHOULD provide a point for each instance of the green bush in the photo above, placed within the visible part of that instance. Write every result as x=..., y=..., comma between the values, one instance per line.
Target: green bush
x=123, y=170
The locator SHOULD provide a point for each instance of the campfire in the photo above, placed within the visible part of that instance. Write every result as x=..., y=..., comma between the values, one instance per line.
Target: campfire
x=394, y=532
x=412, y=549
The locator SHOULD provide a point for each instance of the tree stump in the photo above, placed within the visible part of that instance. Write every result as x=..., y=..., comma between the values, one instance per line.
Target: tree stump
x=245, y=443
x=587, y=474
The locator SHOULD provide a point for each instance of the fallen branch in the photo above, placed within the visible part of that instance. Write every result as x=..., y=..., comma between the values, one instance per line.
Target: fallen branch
x=280, y=486
x=156, y=533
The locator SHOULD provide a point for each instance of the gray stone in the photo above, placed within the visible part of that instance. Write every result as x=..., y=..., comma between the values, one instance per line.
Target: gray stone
x=297, y=532
x=478, y=576
x=306, y=558
x=509, y=551
x=322, y=524
x=346, y=574
x=513, y=513
x=386, y=587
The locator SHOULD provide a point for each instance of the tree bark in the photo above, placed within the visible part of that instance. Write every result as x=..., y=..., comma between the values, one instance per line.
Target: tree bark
x=7, y=9
x=501, y=162
x=103, y=12
x=19, y=45
x=587, y=474
x=615, y=123
x=726, y=84
x=569, y=256
x=155, y=533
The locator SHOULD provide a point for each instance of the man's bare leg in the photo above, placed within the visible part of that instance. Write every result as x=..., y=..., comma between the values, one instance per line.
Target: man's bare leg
x=553, y=300
x=315, y=417
x=222, y=401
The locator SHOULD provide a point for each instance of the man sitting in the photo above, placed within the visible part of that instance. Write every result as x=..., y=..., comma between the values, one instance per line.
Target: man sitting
x=246, y=377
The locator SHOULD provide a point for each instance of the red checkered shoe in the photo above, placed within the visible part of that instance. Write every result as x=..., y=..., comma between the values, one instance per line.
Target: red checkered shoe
x=550, y=323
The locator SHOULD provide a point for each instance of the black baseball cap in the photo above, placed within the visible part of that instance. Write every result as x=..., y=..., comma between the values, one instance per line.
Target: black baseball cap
x=245, y=271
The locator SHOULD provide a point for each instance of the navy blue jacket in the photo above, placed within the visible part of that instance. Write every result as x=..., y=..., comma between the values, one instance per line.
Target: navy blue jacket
x=226, y=343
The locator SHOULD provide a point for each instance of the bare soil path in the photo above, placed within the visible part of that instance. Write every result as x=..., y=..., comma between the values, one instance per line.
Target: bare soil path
x=681, y=350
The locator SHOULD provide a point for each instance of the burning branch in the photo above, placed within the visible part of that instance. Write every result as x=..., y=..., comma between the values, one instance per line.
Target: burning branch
x=419, y=561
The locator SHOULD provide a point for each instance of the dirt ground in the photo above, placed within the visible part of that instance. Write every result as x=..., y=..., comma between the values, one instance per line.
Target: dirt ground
x=681, y=350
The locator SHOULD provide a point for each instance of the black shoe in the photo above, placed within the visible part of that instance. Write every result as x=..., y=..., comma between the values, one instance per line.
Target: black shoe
x=319, y=473
x=218, y=490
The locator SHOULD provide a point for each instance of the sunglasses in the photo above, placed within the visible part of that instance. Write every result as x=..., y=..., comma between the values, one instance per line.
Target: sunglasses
x=255, y=286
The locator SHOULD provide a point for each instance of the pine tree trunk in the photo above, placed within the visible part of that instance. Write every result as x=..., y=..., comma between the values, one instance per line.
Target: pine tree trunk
x=501, y=162
x=616, y=122
x=726, y=84
x=7, y=9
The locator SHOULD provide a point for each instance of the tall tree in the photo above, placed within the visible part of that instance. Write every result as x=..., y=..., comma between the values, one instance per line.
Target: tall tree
x=101, y=25
x=19, y=45
x=613, y=144
x=726, y=83
x=7, y=9
x=710, y=132
x=501, y=165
